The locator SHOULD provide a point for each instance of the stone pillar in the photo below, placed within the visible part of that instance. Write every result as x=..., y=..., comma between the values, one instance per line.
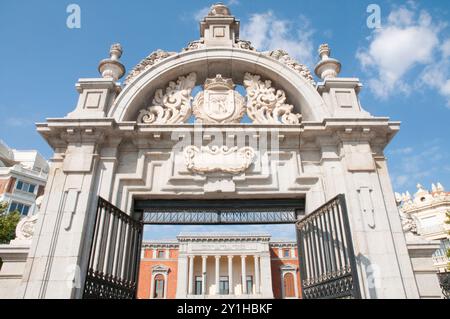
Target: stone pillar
x=230, y=275
x=182, y=280
x=204, y=275
x=266, y=276
x=217, y=290
x=191, y=275
x=257, y=282
x=244, y=276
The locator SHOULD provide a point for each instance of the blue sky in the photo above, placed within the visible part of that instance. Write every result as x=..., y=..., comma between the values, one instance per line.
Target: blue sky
x=404, y=65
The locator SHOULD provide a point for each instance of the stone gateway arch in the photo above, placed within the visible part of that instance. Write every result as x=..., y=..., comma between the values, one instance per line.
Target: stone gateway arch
x=201, y=132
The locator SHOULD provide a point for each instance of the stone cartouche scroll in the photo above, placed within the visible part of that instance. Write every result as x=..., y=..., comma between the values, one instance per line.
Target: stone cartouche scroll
x=218, y=159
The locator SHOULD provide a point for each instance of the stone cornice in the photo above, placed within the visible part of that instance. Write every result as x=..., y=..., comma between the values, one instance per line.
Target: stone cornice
x=60, y=132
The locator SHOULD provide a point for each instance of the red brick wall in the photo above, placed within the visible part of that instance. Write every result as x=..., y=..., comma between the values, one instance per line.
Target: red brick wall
x=10, y=187
x=276, y=263
x=145, y=273
x=3, y=185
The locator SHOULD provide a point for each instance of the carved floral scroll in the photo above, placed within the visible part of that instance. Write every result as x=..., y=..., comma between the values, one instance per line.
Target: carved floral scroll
x=172, y=106
x=265, y=104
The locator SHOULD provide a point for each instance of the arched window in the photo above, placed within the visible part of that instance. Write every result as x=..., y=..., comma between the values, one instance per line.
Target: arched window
x=158, y=287
x=288, y=284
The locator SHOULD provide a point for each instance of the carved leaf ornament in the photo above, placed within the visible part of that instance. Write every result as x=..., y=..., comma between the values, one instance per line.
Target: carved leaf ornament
x=219, y=103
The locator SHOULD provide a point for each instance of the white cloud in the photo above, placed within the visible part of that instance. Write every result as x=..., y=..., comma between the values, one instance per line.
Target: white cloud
x=409, y=39
x=268, y=32
x=201, y=13
x=416, y=164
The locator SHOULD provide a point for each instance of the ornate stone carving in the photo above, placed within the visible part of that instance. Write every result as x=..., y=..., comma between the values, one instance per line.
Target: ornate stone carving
x=150, y=60
x=245, y=45
x=173, y=106
x=219, y=102
x=25, y=228
x=265, y=105
x=285, y=58
x=194, y=45
x=215, y=159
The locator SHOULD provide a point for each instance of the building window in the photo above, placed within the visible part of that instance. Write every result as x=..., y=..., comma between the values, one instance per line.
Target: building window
x=25, y=187
x=159, y=287
x=21, y=208
x=286, y=253
x=224, y=286
x=161, y=254
x=249, y=283
x=288, y=285
x=198, y=285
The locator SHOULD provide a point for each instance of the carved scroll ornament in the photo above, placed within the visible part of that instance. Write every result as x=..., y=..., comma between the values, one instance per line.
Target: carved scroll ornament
x=173, y=106
x=25, y=228
x=147, y=62
x=265, y=104
x=217, y=159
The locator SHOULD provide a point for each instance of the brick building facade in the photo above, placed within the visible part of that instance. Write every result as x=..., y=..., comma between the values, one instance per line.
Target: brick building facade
x=216, y=266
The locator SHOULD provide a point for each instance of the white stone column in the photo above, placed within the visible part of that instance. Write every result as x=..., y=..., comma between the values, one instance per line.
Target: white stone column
x=191, y=275
x=230, y=276
x=204, y=275
x=244, y=276
x=257, y=281
x=266, y=277
x=217, y=290
x=182, y=280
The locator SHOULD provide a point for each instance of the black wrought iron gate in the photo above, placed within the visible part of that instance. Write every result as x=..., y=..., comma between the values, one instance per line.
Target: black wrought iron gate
x=114, y=257
x=326, y=256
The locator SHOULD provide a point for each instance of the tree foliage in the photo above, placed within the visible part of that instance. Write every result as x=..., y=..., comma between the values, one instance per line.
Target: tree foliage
x=8, y=223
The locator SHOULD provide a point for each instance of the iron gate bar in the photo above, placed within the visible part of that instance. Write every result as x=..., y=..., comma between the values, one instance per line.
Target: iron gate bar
x=114, y=257
x=327, y=260
x=215, y=212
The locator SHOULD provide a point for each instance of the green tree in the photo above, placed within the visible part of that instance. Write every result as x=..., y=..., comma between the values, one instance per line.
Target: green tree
x=8, y=223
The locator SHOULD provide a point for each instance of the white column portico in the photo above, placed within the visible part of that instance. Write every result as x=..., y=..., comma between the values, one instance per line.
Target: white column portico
x=212, y=248
x=244, y=275
x=217, y=276
x=230, y=275
x=191, y=275
x=204, y=259
x=257, y=282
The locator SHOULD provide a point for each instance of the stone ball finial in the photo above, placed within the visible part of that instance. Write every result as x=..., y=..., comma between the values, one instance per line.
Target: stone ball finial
x=219, y=9
x=112, y=67
x=327, y=67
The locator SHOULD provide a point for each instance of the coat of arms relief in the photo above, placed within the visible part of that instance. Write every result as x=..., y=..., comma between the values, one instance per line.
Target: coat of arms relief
x=219, y=103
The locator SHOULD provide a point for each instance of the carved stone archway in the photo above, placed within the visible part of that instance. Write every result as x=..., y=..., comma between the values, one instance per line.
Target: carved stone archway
x=101, y=149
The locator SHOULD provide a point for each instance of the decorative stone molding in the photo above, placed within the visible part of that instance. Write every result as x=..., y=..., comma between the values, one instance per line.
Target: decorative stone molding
x=161, y=269
x=195, y=45
x=25, y=228
x=173, y=106
x=219, y=102
x=215, y=159
x=285, y=58
x=244, y=44
x=152, y=59
x=265, y=104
